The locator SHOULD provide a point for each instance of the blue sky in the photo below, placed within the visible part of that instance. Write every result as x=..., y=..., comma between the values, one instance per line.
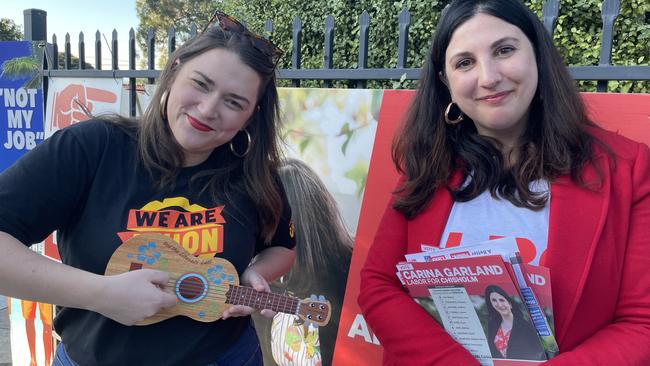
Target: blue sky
x=87, y=16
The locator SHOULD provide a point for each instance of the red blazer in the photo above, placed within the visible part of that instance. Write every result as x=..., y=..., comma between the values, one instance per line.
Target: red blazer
x=598, y=254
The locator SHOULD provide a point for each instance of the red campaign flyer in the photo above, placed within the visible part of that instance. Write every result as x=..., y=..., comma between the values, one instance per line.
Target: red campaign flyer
x=478, y=304
x=534, y=283
x=506, y=247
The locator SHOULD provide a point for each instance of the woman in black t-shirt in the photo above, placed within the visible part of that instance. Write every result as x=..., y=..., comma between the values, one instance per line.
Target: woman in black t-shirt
x=207, y=144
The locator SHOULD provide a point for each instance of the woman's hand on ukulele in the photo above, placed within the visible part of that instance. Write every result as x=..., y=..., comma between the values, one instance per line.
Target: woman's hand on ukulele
x=256, y=281
x=134, y=296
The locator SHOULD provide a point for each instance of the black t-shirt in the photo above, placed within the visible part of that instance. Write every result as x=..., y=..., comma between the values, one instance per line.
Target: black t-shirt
x=85, y=182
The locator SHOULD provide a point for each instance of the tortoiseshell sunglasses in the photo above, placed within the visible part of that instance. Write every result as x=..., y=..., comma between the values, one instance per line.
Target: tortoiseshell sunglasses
x=228, y=23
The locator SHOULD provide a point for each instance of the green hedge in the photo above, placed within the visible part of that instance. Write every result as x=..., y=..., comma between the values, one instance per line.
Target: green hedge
x=578, y=37
x=577, y=33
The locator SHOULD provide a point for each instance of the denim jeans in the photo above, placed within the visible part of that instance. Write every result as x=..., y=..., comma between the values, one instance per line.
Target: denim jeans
x=245, y=352
x=61, y=357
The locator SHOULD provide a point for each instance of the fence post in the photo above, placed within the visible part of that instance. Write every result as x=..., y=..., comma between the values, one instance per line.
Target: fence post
x=114, y=59
x=82, y=51
x=328, y=61
x=98, y=50
x=151, y=53
x=67, y=57
x=297, y=40
x=268, y=34
x=171, y=42
x=364, y=30
x=55, y=53
x=610, y=11
x=403, y=40
x=549, y=14
x=132, y=91
x=268, y=29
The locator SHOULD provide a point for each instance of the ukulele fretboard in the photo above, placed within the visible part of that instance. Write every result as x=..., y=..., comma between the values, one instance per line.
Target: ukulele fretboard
x=241, y=295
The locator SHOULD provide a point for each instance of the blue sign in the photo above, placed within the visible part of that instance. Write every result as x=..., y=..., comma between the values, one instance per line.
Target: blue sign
x=21, y=100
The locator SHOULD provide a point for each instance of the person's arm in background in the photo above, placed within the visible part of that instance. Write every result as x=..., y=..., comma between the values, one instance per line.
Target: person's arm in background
x=271, y=263
x=409, y=335
x=626, y=341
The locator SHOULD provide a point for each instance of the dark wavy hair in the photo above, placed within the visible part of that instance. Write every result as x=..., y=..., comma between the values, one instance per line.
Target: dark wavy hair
x=427, y=150
x=256, y=173
x=494, y=318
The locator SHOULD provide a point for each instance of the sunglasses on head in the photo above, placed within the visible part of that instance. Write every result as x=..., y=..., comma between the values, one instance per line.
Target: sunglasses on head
x=228, y=23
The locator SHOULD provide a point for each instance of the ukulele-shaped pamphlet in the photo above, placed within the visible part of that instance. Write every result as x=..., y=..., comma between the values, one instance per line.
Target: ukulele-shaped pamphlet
x=205, y=287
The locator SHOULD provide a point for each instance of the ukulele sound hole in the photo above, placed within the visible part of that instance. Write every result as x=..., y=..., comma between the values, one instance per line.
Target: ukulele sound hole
x=191, y=288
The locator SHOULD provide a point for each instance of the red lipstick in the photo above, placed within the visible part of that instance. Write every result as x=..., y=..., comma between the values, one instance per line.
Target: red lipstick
x=495, y=98
x=197, y=124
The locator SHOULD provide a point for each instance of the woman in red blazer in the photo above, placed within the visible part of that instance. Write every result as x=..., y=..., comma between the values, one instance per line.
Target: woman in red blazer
x=495, y=111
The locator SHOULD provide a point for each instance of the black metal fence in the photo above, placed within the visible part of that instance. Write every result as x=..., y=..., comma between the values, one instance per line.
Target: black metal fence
x=36, y=25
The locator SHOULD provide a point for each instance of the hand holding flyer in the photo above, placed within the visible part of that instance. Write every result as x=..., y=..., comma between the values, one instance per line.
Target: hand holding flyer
x=476, y=295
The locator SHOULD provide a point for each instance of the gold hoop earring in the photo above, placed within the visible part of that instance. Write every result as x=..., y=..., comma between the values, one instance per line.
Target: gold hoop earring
x=458, y=119
x=163, y=104
x=248, y=145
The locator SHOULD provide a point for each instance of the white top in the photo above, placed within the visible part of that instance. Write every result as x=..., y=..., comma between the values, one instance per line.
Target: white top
x=486, y=218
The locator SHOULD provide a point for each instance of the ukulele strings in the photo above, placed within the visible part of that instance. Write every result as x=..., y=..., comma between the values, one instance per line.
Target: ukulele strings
x=219, y=292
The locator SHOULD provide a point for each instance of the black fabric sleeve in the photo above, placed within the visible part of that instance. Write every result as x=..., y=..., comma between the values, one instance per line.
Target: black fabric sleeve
x=284, y=235
x=41, y=191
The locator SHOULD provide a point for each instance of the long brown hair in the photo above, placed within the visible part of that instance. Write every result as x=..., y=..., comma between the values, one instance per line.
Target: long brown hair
x=323, y=243
x=255, y=173
x=427, y=150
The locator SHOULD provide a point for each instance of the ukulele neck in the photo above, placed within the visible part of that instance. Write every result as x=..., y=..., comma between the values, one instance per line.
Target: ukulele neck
x=242, y=295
